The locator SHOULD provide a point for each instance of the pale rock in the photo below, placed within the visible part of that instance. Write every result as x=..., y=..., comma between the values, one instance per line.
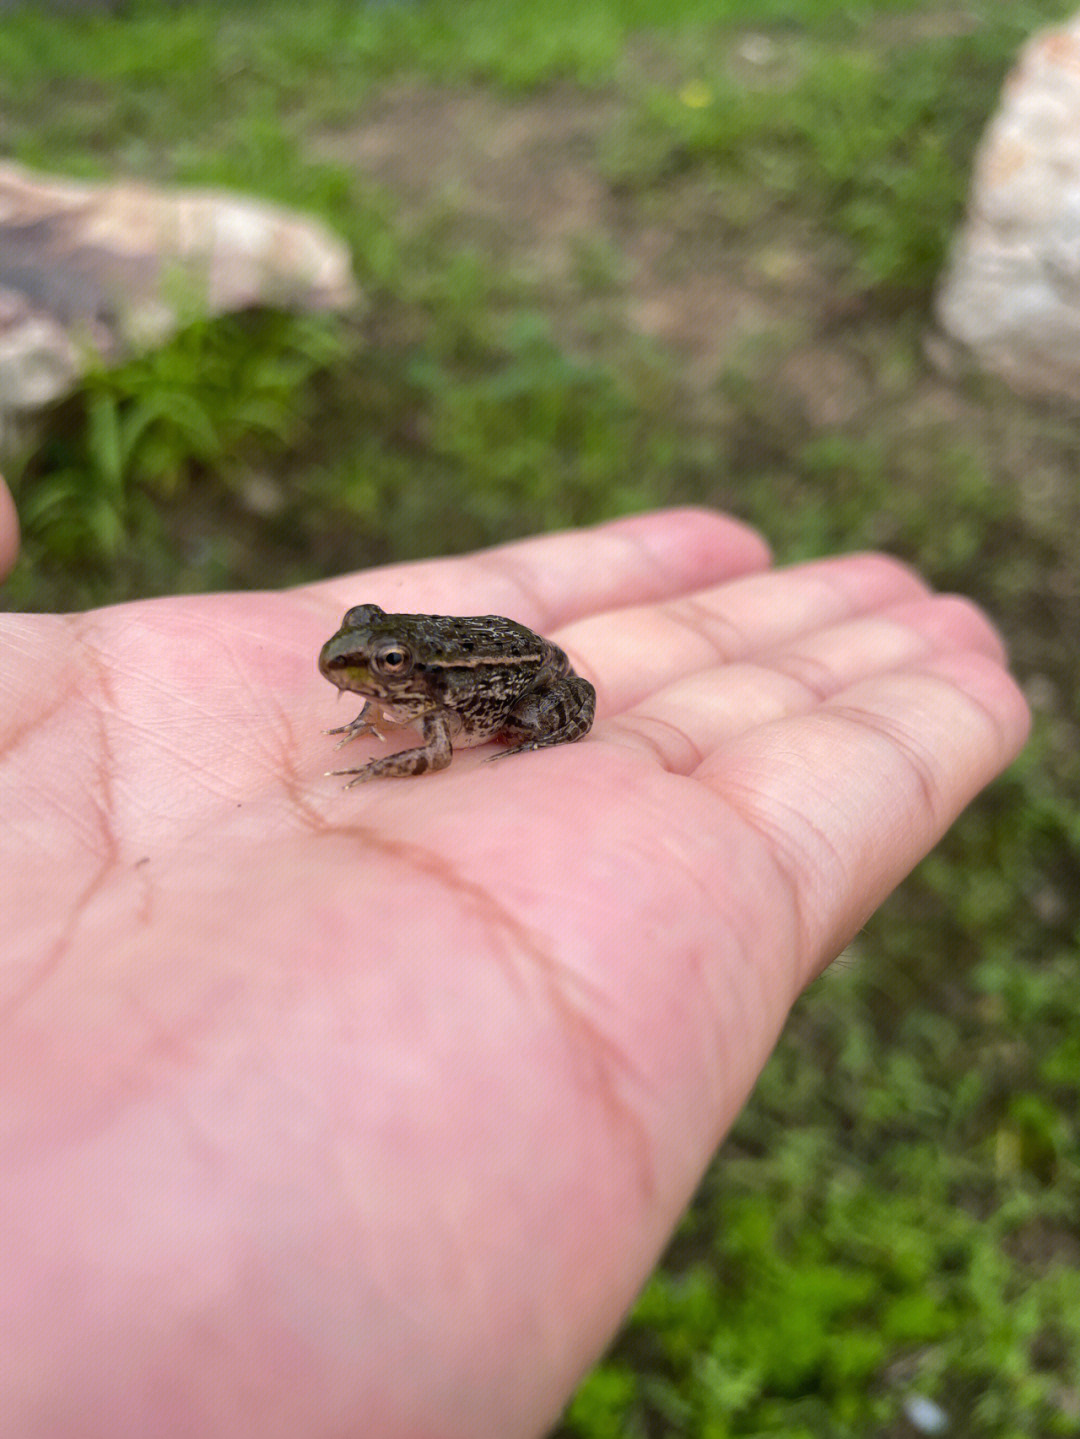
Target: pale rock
x=96, y=272
x=1012, y=288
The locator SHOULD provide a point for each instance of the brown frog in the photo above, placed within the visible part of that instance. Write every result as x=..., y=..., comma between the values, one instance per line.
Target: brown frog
x=481, y=677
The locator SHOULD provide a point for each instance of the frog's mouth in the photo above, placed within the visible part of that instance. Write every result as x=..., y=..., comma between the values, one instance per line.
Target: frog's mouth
x=347, y=673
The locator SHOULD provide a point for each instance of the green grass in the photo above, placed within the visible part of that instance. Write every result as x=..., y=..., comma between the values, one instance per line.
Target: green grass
x=896, y=1212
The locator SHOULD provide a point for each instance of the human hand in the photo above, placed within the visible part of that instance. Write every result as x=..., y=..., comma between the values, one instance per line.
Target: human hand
x=331, y=1113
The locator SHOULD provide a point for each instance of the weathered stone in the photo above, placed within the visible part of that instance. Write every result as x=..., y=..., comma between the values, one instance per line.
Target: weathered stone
x=1012, y=288
x=100, y=271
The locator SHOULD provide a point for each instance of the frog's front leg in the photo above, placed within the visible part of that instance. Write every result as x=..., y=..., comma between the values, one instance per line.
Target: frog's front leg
x=364, y=723
x=556, y=714
x=435, y=753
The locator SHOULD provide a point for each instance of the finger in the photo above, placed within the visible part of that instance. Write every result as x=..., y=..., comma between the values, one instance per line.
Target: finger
x=632, y=652
x=9, y=530
x=548, y=581
x=842, y=654
x=840, y=803
x=683, y=722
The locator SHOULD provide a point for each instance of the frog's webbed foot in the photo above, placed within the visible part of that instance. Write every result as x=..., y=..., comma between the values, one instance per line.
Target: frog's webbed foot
x=363, y=724
x=559, y=714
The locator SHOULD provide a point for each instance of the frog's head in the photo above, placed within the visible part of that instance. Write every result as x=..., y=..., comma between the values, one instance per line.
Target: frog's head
x=369, y=654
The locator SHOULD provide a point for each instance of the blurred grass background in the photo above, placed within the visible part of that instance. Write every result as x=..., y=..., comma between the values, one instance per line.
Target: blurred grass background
x=619, y=255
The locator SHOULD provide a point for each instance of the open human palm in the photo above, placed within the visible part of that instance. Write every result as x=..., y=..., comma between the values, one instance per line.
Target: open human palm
x=331, y=1113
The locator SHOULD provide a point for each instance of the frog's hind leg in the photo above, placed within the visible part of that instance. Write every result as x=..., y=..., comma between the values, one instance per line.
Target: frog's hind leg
x=559, y=714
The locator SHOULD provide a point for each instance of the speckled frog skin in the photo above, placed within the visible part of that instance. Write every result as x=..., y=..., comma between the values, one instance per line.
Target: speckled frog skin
x=477, y=678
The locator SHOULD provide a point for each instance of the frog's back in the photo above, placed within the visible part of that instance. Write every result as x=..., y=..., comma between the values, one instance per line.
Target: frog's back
x=475, y=639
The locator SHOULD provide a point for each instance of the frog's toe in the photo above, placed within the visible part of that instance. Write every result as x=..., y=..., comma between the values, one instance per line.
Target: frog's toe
x=361, y=734
x=504, y=753
x=358, y=776
x=354, y=731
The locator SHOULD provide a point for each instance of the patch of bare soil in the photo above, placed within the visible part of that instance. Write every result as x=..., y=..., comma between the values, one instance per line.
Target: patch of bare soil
x=521, y=172
x=690, y=265
x=524, y=182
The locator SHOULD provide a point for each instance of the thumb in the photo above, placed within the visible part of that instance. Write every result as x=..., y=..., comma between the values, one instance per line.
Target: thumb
x=9, y=530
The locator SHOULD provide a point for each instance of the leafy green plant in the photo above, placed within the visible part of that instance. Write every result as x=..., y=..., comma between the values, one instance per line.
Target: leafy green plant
x=536, y=431
x=148, y=427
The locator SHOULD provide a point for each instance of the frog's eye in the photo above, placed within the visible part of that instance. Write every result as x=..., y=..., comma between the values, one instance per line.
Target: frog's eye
x=393, y=659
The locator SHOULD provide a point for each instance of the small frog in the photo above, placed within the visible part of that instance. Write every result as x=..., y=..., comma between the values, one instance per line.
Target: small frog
x=483, y=678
